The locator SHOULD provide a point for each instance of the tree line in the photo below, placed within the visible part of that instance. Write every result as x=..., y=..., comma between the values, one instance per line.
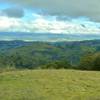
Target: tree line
x=89, y=61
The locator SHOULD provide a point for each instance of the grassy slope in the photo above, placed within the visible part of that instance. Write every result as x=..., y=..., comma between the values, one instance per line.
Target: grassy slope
x=50, y=85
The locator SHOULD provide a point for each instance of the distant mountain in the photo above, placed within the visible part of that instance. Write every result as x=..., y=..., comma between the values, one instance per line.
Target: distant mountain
x=47, y=36
x=8, y=45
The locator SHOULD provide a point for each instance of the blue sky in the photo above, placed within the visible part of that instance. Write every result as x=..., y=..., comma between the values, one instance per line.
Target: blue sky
x=50, y=16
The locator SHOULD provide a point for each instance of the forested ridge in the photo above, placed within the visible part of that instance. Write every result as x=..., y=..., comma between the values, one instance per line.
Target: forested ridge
x=32, y=55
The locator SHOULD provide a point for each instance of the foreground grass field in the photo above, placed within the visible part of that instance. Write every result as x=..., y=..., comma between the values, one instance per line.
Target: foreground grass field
x=50, y=85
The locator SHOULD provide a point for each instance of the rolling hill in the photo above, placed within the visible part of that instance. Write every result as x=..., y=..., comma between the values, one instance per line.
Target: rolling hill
x=33, y=54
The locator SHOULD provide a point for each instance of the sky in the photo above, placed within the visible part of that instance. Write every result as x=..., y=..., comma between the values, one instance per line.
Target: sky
x=50, y=16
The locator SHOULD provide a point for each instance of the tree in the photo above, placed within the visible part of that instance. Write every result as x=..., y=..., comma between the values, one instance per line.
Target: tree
x=60, y=64
x=90, y=62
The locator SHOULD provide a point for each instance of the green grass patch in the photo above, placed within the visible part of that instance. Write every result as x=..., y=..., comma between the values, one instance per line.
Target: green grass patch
x=50, y=85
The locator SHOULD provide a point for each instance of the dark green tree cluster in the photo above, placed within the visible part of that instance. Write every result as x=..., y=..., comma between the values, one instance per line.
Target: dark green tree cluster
x=90, y=62
x=60, y=64
x=19, y=61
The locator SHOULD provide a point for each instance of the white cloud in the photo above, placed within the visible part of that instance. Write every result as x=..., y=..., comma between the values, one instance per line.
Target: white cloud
x=42, y=24
x=8, y=24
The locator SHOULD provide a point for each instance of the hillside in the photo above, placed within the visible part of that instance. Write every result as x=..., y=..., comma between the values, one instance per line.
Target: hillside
x=33, y=54
x=50, y=85
x=8, y=45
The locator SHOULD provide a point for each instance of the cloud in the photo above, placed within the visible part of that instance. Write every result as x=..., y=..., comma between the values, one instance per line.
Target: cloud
x=13, y=12
x=8, y=24
x=73, y=8
x=44, y=25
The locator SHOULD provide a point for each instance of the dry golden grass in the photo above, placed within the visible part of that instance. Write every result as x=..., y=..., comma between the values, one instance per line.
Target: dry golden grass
x=50, y=85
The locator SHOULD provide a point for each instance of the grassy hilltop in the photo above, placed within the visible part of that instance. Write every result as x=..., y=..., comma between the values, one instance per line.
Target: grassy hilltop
x=50, y=85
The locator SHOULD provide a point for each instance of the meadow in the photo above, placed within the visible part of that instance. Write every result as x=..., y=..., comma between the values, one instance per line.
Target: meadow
x=50, y=85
